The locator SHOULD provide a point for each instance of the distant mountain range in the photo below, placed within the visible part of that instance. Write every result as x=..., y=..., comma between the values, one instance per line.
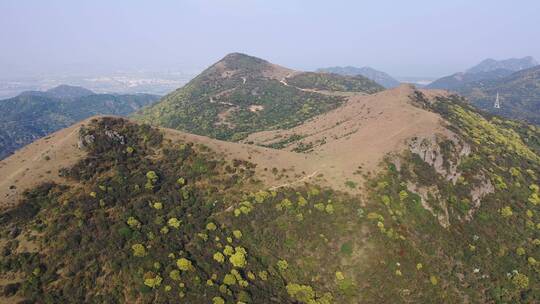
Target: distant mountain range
x=485, y=70
x=516, y=80
x=34, y=114
x=379, y=77
x=519, y=94
x=512, y=64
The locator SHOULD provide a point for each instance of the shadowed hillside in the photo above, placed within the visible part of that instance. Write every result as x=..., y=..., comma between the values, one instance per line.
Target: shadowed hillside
x=35, y=114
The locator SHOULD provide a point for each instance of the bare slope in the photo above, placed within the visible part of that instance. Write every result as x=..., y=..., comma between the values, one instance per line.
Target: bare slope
x=38, y=162
x=358, y=134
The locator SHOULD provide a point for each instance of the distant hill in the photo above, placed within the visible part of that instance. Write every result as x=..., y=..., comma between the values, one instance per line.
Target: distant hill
x=519, y=94
x=34, y=114
x=379, y=77
x=486, y=70
x=516, y=80
x=241, y=94
x=458, y=80
x=61, y=92
x=512, y=64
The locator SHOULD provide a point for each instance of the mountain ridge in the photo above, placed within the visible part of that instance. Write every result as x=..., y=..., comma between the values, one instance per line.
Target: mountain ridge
x=512, y=64
x=486, y=70
x=379, y=77
x=519, y=94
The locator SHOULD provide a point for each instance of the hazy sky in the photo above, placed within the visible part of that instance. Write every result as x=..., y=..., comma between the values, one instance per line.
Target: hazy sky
x=403, y=38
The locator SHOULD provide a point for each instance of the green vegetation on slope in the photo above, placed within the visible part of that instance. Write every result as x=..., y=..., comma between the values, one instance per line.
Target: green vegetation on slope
x=334, y=82
x=159, y=222
x=240, y=95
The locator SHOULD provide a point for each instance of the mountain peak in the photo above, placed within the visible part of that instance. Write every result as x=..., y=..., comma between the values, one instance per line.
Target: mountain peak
x=242, y=61
x=239, y=66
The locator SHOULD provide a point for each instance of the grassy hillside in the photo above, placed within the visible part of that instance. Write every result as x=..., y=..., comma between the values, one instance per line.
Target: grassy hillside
x=32, y=115
x=241, y=94
x=149, y=220
x=334, y=82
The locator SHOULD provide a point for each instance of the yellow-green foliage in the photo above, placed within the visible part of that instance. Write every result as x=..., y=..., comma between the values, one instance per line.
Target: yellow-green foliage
x=237, y=234
x=151, y=179
x=306, y=294
x=238, y=259
x=284, y=204
x=282, y=265
x=263, y=275
x=260, y=196
x=301, y=293
x=228, y=250
x=139, y=250
x=152, y=280
x=302, y=201
x=329, y=209
x=245, y=208
x=219, y=257
x=486, y=132
x=319, y=206
x=211, y=226
x=229, y=279
x=403, y=195
x=174, y=222
x=152, y=176
x=133, y=223
x=175, y=275
x=534, y=198
x=184, y=264
x=521, y=281
x=157, y=205
x=218, y=300
x=506, y=211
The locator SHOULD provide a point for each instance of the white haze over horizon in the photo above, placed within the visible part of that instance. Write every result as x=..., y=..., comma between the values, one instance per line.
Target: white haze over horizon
x=403, y=38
